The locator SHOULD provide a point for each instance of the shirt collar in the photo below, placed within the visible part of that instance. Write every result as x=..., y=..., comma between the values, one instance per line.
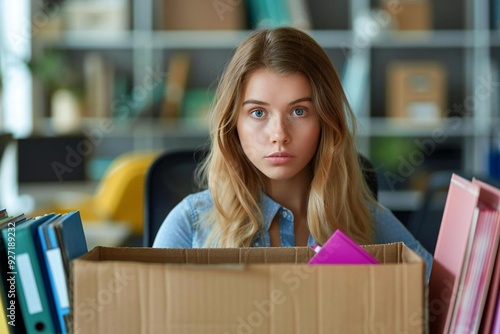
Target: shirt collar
x=269, y=210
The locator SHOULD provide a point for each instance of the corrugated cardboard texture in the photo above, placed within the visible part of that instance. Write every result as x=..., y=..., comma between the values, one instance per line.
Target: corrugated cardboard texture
x=411, y=83
x=253, y=290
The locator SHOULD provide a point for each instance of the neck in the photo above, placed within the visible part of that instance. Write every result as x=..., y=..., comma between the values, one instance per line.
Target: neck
x=292, y=195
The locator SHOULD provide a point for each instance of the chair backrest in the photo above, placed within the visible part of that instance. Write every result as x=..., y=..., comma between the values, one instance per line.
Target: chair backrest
x=170, y=179
x=119, y=193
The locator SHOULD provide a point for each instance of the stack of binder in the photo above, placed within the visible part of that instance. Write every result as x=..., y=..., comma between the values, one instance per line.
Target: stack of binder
x=34, y=262
x=464, y=285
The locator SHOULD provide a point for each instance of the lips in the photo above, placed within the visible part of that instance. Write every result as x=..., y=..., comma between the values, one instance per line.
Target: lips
x=279, y=158
x=280, y=155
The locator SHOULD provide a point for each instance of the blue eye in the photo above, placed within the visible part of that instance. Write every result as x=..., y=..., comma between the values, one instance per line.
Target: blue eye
x=257, y=113
x=299, y=111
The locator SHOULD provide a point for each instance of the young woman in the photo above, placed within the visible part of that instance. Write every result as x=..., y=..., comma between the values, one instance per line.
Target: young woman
x=283, y=167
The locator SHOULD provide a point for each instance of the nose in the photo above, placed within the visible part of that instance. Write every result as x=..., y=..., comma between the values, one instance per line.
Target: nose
x=279, y=131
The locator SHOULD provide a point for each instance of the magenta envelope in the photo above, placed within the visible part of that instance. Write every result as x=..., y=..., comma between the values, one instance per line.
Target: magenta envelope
x=340, y=249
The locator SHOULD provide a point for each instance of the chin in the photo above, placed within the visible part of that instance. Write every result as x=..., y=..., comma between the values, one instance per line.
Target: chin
x=279, y=177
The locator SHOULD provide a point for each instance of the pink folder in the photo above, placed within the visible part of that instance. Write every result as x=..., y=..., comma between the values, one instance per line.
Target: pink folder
x=340, y=249
x=470, y=300
x=491, y=196
x=452, y=245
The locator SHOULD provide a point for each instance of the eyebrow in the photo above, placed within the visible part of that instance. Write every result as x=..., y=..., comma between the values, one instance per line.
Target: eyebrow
x=252, y=101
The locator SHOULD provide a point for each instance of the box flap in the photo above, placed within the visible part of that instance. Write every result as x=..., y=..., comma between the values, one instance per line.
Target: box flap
x=396, y=252
x=201, y=255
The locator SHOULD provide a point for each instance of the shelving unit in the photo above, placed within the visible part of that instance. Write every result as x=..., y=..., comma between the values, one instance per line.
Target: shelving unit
x=462, y=41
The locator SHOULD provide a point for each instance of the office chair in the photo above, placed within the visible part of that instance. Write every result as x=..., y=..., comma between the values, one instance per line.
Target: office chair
x=170, y=179
x=425, y=222
x=118, y=196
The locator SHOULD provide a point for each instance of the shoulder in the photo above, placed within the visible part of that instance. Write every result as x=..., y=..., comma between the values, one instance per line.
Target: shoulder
x=387, y=225
x=200, y=197
x=389, y=229
x=179, y=229
x=200, y=201
x=382, y=215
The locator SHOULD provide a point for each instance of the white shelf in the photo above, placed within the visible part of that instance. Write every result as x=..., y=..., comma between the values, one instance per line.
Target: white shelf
x=495, y=38
x=197, y=39
x=86, y=40
x=399, y=127
x=333, y=38
x=426, y=39
x=182, y=39
x=182, y=128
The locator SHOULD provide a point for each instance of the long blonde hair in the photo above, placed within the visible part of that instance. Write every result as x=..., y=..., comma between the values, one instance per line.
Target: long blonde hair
x=339, y=196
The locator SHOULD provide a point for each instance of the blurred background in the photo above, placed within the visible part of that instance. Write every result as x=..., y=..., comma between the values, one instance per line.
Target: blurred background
x=87, y=85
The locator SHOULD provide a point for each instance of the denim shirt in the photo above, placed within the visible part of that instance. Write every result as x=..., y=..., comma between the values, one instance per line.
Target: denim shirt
x=182, y=228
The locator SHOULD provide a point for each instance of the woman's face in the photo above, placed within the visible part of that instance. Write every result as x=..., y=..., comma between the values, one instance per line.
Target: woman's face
x=277, y=125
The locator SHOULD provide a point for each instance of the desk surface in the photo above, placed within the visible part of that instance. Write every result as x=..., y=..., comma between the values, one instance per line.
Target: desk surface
x=48, y=195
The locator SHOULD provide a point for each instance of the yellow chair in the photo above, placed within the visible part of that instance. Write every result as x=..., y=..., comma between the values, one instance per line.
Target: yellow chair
x=119, y=195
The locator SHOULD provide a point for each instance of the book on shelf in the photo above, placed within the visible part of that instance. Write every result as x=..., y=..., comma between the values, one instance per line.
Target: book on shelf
x=355, y=79
x=495, y=15
x=196, y=106
x=300, y=15
x=98, y=82
x=465, y=277
x=37, y=259
x=276, y=13
x=175, y=85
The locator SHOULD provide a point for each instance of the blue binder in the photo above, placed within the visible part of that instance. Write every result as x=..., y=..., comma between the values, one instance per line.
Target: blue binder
x=30, y=285
x=57, y=252
x=11, y=301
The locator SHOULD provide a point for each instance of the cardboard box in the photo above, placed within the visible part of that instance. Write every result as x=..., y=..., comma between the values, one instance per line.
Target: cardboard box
x=409, y=14
x=416, y=90
x=106, y=15
x=248, y=290
x=201, y=15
